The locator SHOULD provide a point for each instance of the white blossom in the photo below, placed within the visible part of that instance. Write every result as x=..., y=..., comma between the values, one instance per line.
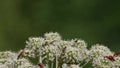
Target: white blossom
x=51, y=49
x=99, y=50
x=52, y=36
x=70, y=66
x=116, y=62
x=49, y=53
x=101, y=62
x=33, y=45
x=71, y=55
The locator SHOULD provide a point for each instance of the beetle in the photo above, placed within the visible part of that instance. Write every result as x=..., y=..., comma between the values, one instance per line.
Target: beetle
x=110, y=57
x=41, y=65
x=21, y=54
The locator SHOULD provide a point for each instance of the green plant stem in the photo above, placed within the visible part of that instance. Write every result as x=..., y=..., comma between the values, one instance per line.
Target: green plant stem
x=51, y=64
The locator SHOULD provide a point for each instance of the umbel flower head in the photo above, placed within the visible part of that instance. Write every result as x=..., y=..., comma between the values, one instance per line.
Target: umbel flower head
x=75, y=51
x=54, y=52
x=98, y=51
x=9, y=59
x=33, y=45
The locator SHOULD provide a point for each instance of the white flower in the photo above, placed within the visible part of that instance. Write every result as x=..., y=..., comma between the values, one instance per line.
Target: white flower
x=101, y=62
x=52, y=36
x=82, y=46
x=71, y=55
x=26, y=65
x=99, y=50
x=17, y=63
x=79, y=43
x=33, y=45
x=70, y=66
x=117, y=62
x=9, y=59
x=3, y=66
x=35, y=42
x=49, y=52
x=51, y=49
x=7, y=54
x=62, y=45
x=21, y=61
x=74, y=66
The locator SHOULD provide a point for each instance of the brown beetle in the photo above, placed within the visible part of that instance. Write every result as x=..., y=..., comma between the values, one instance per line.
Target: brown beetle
x=21, y=53
x=110, y=57
x=41, y=65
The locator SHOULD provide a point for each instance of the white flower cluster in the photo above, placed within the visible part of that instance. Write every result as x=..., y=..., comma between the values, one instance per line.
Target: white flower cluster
x=102, y=57
x=54, y=52
x=9, y=59
x=70, y=66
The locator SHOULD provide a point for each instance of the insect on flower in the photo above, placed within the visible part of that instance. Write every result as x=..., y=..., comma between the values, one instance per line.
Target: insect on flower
x=41, y=65
x=110, y=57
x=21, y=53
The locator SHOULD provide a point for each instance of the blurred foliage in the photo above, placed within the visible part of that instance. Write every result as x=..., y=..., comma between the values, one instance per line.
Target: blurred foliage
x=95, y=21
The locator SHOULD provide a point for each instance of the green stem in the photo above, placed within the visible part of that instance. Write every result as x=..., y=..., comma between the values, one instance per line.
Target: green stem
x=56, y=61
x=51, y=64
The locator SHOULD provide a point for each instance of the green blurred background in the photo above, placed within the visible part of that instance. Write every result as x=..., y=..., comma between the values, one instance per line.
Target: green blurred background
x=95, y=21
